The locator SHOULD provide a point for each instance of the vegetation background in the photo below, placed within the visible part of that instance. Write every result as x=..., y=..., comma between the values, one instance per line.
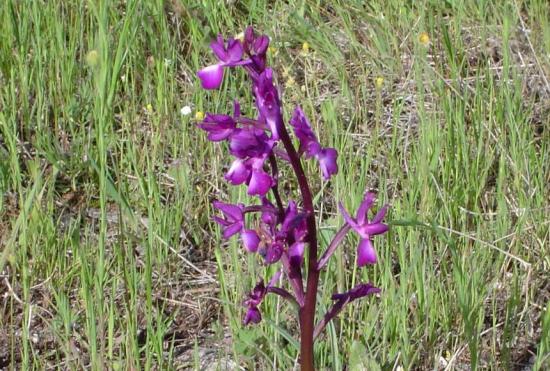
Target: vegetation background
x=108, y=256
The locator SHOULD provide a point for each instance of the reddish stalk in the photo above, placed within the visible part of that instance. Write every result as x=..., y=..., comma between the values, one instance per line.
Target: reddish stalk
x=307, y=311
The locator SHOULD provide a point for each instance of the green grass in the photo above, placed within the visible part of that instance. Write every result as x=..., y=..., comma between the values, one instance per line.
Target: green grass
x=108, y=256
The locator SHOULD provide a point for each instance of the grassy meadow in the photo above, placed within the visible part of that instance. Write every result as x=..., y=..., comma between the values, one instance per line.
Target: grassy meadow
x=109, y=258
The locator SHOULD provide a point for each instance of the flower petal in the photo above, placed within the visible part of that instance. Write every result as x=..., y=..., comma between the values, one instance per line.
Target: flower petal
x=373, y=229
x=250, y=240
x=218, y=47
x=253, y=315
x=232, y=230
x=211, y=77
x=380, y=214
x=238, y=173
x=347, y=217
x=260, y=183
x=232, y=212
x=327, y=161
x=234, y=51
x=365, y=206
x=365, y=253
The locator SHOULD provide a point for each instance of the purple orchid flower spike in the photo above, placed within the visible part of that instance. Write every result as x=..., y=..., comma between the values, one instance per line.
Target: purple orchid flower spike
x=365, y=251
x=233, y=223
x=280, y=234
x=310, y=147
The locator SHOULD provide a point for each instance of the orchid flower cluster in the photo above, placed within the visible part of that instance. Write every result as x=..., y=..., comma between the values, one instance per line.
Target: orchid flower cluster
x=280, y=232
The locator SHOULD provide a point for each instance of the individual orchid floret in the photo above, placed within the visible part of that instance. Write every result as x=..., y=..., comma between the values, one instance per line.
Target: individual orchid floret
x=310, y=146
x=366, y=229
x=233, y=223
x=220, y=127
x=256, y=47
x=258, y=294
x=267, y=100
x=230, y=55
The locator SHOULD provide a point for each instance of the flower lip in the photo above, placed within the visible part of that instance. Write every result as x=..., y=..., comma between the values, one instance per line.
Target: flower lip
x=211, y=76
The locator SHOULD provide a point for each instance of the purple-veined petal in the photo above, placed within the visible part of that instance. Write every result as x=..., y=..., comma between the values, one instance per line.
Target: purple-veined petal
x=272, y=253
x=327, y=161
x=234, y=50
x=218, y=47
x=220, y=221
x=347, y=217
x=219, y=135
x=365, y=206
x=380, y=214
x=248, y=143
x=211, y=77
x=365, y=253
x=232, y=230
x=238, y=173
x=260, y=183
x=253, y=315
x=372, y=229
x=250, y=240
x=261, y=44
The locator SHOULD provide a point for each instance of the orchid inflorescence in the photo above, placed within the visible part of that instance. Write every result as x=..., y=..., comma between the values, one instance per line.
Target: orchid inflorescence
x=280, y=233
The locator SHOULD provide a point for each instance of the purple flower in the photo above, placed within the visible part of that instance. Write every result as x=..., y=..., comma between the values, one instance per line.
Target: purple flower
x=310, y=146
x=233, y=223
x=256, y=48
x=229, y=54
x=251, y=147
x=255, y=298
x=220, y=127
x=365, y=251
x=267, y=100
x=245, y=143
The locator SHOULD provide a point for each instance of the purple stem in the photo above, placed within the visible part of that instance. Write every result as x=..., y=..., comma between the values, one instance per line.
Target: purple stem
x=336, y=240
x=275, y=188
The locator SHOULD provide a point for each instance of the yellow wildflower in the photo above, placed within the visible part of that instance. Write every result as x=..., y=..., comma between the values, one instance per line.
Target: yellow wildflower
x=305, y=47
x=379, y=82
x=424, y=39
x=199, y=115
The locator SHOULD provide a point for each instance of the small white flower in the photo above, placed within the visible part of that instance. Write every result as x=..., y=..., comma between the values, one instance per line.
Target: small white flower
x=185, y=110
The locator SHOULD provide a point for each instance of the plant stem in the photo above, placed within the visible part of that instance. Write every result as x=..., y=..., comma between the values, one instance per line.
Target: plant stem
x=307, y=312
